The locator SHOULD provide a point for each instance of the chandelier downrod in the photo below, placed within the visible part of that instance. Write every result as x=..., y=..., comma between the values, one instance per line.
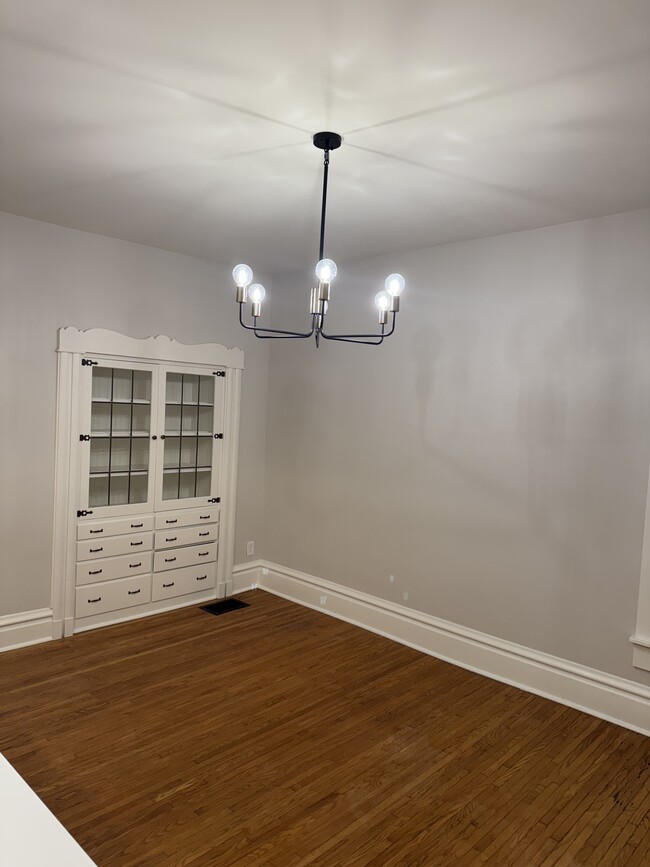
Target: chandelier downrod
x=326, y=165
x=387, y=300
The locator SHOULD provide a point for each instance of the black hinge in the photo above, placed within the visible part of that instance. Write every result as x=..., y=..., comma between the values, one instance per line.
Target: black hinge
x=81, y=513
x=215, y=500
x=218, y=436
x=84, y=438
x=218, y=372
x=86, y=362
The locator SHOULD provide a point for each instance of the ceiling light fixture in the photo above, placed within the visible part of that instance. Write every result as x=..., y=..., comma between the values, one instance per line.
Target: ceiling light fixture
x=387, y=301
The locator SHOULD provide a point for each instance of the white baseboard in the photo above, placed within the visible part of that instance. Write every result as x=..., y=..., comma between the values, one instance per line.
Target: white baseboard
x=246, y=576
x=26, y=627
x=603, y=695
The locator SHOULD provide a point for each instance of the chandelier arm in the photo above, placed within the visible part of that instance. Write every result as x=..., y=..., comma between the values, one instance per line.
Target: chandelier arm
x=353, y=340
x=256, y=328
x=355, y=337
x=282, y=335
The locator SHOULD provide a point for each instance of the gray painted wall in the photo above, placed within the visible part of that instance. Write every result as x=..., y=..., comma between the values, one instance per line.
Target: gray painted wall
x=50, y=277
x=493, y=455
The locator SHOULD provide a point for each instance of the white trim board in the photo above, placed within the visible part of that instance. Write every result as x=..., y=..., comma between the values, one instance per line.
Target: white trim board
x=641, y=638
x=27, y=627
x=246, y=576
x=31, y=835
x=603, y=695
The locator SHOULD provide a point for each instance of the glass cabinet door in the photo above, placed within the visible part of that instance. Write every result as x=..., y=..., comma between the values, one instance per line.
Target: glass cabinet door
x=192, y=414
x=117, y=460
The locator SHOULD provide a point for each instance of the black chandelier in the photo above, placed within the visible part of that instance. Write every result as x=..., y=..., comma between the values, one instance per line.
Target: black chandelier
x=387, y=300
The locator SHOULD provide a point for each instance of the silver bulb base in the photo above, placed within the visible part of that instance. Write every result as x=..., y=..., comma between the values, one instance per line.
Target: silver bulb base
x=256, y=309
x=324, y=291
x=241, y=294
x=383, y=317
x=313, y=301
x=394, y=304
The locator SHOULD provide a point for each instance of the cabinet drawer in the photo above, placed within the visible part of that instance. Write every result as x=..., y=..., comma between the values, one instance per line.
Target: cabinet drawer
x=114, y=527
x=114, y=545
x=180, y=581
x=194, y=556
x=91, y=571
x=98, y=598
x=187, y=517
x=186, y=536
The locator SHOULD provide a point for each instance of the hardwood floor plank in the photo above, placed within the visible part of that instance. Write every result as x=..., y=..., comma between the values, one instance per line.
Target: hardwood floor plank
x=278, y=736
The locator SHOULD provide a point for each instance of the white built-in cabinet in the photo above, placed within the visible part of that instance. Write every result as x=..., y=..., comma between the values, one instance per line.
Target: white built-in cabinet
x=146, y=471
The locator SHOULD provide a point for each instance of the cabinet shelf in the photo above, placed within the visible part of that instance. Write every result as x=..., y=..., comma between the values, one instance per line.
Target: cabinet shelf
x=102, y=474
x=186, y=403
x=123, y=434
x=167, y=470
x=123, y=402
x=187, y=433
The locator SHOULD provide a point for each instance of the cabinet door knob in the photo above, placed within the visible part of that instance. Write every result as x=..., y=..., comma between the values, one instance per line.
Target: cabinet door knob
x=95, y=550
x=207, y=533
x=169, y=585
x=134, y=592
x=134, y=565
x=169, y=559
x=175, y=521
x=203, y=553
x=99, y=599
x=135, y=544
x=96, y=572
x=171, y=539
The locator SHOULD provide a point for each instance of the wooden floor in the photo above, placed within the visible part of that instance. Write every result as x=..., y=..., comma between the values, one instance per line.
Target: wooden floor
x=279, y=736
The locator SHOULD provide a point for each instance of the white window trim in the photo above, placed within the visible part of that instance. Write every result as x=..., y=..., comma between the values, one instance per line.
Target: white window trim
x=641, y=638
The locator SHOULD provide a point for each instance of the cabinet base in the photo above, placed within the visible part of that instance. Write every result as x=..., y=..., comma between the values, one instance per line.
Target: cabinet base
x=113, y=617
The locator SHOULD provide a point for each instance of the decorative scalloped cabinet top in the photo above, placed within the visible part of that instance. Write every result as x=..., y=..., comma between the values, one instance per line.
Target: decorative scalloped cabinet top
x=99, y=341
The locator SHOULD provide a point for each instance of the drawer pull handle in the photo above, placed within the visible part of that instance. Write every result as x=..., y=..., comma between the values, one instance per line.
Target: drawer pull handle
x=201, y=577
x=169, y=559
x=135, y=526
x=169, y=585
x=204, y=517
x=96, y=572
x=95, y=550
x=203, y=553
x=175, y=521
x=135, y=544
x=97, y=531
x=207, y=533
x=172, y=539
x=135, y=565
x=135, y=592
x=99, y=599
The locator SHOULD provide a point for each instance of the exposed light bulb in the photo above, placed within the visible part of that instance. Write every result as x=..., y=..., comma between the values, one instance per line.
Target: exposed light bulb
x=242, y=275
x=256, y=293
x=382, y=300
x=326, y=270
x=394, y=284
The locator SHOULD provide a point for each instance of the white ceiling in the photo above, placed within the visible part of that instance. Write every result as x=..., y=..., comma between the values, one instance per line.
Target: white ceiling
x=187, y=125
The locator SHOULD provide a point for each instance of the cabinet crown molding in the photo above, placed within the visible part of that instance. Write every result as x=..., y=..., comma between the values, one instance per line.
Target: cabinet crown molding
x=100, y=341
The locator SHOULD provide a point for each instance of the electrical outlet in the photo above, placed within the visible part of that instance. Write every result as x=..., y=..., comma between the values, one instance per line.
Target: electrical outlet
x=250, y=549
x=406, y=596
x=391, y=579
x=323, y=600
